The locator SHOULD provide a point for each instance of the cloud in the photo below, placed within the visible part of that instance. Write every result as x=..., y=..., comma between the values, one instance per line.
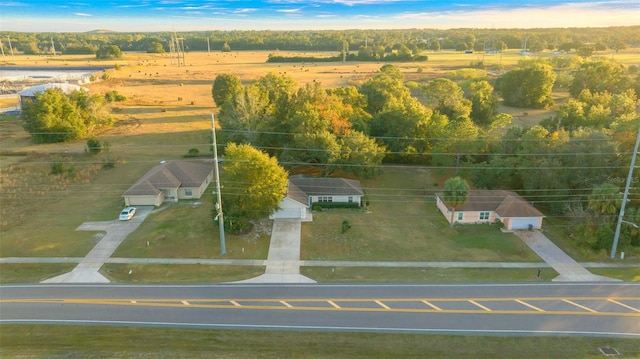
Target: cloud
x=289, y=11
x=82, y=14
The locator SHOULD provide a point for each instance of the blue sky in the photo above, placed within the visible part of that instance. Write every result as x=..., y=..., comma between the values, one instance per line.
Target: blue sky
x=181, y=15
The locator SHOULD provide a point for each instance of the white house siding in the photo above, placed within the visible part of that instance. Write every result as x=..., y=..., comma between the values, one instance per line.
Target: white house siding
x=511, y=223
x=338, y=199
x=148, y=200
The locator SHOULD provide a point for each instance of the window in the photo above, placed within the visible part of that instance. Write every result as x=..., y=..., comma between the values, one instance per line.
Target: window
x=484, y=216
x=188, y=192
x=328, y=199
x=460, y=216
x=350, y=199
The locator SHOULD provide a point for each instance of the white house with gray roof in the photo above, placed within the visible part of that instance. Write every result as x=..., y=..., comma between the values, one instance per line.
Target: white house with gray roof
x=170, y=182
x=304, y=191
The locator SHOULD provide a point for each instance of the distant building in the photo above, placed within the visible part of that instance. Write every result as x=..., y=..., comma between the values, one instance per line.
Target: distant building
x=29, y=93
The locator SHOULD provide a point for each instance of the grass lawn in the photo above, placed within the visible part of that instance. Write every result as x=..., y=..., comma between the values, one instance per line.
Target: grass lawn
x=166, y=273
x=186, y=230
x=425, y=275
x=32, y=272
x=403, y=224
x=51, y=341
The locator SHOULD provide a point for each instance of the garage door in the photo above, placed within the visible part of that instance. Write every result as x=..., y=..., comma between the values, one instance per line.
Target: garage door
x=524, y=222
x=288, y=213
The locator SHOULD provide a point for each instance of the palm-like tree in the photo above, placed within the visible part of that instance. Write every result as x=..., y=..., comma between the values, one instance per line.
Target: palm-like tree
x=455, y=194
x=605, y=200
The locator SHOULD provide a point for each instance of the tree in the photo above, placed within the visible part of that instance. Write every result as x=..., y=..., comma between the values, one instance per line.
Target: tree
x=455, y=194
x=52, y=117
x=599, y=76
x=226, y=47
x=108, y=52
x=484, y=105
x=360, y=155
x=529, y=85
x=225, y=87
x=605, y=200
x=254, y=184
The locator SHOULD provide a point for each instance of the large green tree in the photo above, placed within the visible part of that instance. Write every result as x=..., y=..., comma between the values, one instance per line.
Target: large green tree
x=455, y=194
x=529, y=85
x=599, y=76
x=254, y=184
x=53, y=116
x=225, y=87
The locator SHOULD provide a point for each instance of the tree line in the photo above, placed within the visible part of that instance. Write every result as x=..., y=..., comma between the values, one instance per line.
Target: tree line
x=365, y=42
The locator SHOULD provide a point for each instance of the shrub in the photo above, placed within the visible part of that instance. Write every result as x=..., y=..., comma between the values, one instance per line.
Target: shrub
x=108, y=164
x=57, y=167
x=346, y=225
x=193, y=152
x=93, y=146
x=335, y=205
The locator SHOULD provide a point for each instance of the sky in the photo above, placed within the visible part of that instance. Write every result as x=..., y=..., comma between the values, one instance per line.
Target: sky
x=203, y=15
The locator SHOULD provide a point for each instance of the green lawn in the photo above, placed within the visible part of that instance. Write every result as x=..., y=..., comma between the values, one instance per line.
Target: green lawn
x=32, y=272
x=403, y=224
x=425, y=275
x=51, y=341
x=183, y=273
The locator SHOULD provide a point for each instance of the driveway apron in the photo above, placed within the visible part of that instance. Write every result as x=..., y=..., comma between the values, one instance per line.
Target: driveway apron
x=569, y=269
x=88, y=270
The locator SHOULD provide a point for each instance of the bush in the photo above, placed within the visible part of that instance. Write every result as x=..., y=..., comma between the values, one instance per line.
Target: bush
x=346, y=225
x=108, y=164
x=57, y=167
x=193, y=152
x=93, y=146
x=335, y=205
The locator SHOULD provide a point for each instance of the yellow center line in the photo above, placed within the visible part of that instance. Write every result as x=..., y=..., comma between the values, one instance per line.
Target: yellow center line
x=623, y=305
x=185, y=302
x=529, y=305
x=579, y=306
x=431, y=305
x=334, y=304
x=235, y=303
x=381, y=304
x=133, y=302
x=479, y=305
x=286, y=304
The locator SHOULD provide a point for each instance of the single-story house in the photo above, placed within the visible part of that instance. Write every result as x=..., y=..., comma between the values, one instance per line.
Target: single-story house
x=304, y=191
x=489, y=206
x=170, y=182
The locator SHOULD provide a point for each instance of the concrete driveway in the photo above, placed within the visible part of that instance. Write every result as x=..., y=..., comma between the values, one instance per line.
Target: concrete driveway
x=569, y=269
x=88, y=270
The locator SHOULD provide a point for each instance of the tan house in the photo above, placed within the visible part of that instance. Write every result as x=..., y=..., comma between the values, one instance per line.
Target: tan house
x=304, y=191
x=170, y=182
x=489, y=206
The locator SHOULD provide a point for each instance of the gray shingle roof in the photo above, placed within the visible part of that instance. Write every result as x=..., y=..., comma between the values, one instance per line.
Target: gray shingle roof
x=325, y=186
x=504, y=203
x=171, y=174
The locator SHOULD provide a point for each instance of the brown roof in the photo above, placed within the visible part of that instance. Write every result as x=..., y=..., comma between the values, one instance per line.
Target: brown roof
x=326, y=186
x=171, y=174
x=504, y=203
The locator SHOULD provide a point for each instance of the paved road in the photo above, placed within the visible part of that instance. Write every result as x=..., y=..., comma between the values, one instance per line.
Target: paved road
x=605, y=309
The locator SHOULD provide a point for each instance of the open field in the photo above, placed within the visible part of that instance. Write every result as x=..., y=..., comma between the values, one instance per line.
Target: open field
x=55, y=341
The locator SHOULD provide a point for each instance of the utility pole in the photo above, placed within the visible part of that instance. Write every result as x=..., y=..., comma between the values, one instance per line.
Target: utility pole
x=616, y=237
x=219, y=216
x=11, y=48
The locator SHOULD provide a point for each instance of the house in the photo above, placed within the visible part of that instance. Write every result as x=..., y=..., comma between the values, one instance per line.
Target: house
x=304, y=191
x=170, y=182
x=489, y=206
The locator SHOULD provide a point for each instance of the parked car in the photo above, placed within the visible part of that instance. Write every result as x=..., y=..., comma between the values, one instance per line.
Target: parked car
x=127, y=213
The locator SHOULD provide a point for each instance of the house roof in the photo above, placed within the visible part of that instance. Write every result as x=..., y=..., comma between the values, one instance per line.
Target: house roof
x=65, y=87
x=504, y=203
x=171, y=174
x=324, y=186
